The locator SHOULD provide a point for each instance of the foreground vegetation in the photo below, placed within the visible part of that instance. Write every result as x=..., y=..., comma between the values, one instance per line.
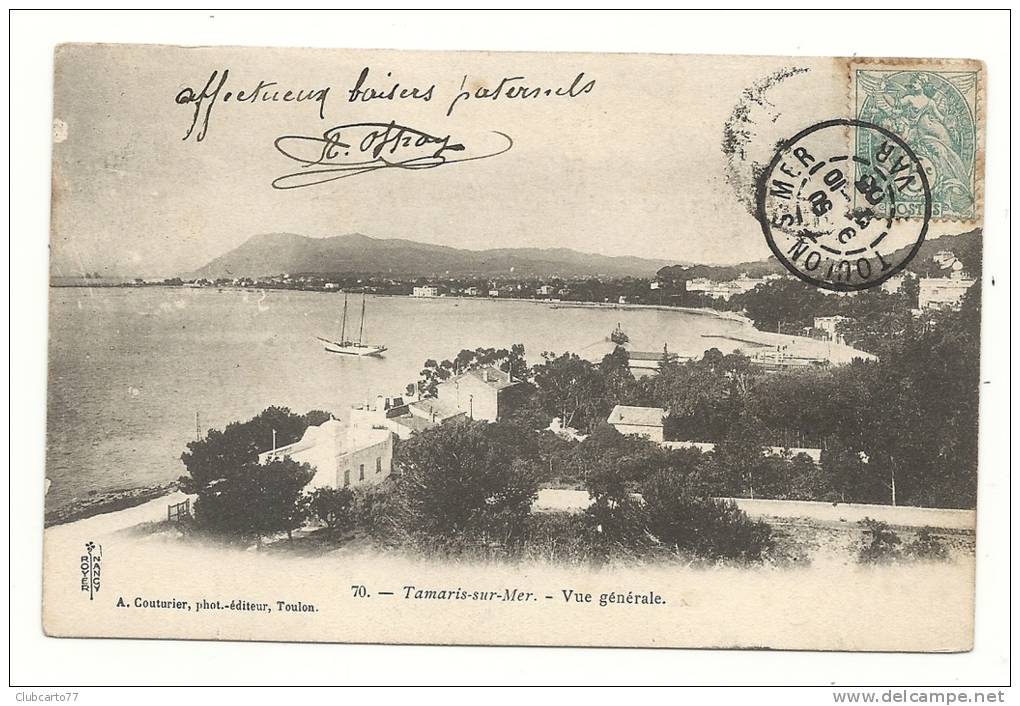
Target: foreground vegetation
x=900, y=430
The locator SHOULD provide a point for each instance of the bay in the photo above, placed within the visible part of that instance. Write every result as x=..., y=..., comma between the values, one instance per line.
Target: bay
x=129, y=368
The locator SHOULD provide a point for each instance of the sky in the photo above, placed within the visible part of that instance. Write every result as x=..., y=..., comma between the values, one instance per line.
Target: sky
x=633, y=166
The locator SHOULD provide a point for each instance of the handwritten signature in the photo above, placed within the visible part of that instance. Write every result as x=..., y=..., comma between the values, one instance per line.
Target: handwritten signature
x=358, y=148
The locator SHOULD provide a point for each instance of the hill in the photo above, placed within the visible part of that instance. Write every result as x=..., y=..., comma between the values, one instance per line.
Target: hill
x=275, y=253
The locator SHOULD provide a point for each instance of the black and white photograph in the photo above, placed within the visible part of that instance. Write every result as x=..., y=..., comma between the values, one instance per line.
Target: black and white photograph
x=515, y=348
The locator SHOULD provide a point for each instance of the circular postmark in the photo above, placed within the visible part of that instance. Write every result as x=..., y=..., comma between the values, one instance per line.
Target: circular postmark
x=834, y=216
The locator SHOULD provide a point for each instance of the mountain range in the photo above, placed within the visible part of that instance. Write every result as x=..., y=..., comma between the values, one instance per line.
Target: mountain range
x=276, y=253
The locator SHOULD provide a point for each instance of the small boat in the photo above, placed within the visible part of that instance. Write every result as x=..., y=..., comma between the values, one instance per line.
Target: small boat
x=344, y=346
x=618, y=336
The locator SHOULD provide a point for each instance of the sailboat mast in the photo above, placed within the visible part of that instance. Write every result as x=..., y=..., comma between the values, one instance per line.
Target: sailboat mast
x=343, y=320
x=361, y=330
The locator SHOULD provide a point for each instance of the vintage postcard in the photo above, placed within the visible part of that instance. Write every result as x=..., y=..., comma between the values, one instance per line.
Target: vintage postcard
x=514, y=349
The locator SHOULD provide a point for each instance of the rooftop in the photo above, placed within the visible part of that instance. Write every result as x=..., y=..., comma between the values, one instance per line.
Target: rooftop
x=339, y=437
x=491, y=375
x=637, y=416
x=413, y=423
x=432, y=408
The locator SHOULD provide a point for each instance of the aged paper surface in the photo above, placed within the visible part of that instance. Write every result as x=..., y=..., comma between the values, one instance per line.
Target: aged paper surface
x=496, y=348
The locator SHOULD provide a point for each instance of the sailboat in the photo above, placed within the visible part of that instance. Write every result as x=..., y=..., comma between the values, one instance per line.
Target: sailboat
x=348, y=347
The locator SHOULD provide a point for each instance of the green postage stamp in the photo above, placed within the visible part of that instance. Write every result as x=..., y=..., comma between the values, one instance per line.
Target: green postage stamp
x=937, y=113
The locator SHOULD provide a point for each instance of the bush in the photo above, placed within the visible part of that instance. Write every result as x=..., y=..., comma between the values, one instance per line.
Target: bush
x=613, y=525
x=699, y=526
x=334, y=507
x=558, y=536
x=926, y=546
x=462, y=483
x=879, y=543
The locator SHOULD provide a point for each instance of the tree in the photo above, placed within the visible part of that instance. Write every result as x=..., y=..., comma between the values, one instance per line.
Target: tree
x=851, y=480
x=739, y=459
x=619, y=380
x=878, y=329
x=785, y=305
x=572, y=389
x=431, y=375
x=315, y=418
x=910, y=289
x=510, y=360
x=700, y=526
x=334, y=507
x=461, y=482
x=529, y=411
x=256, y=501
x=805, y=480
x=222, y=454
x=611, y=465
x=239, y=496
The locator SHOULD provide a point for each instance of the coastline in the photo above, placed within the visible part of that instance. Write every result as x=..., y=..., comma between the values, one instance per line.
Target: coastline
x=107, y=503
x=557, y=303
x=125, y=498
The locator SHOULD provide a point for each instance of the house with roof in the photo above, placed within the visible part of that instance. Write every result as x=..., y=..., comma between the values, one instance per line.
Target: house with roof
x=482, y=393
x=434, y=410
x=643, y=421
x=942, y=292
x=486, y=393
x=342, y=455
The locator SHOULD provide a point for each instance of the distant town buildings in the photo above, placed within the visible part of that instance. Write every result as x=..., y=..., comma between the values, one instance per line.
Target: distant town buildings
x=775, y=451
x=725, y=290
x=425, y=291
x=942, y=292
x=643, y=421
x=342, y=455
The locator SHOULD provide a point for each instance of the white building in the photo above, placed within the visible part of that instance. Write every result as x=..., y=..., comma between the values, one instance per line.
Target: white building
x=829, y=325
x=484, y=393
x=399, y=416
x=643, y=421
x=546, y=290
x=893, y=284
x=426, y=291
x=944, y=259
x=342, y=455
x=775, y=451
x=488, y=394
x=723, y=290
x=942, y=292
